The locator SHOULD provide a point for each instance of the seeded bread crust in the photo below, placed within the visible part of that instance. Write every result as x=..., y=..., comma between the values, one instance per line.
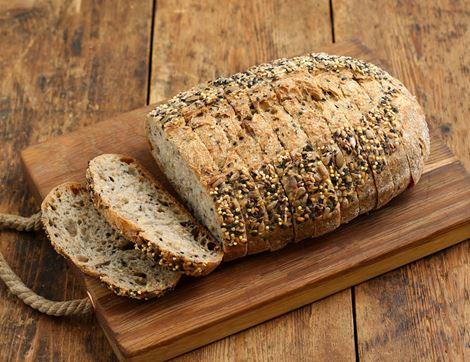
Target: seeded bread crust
x=101, y=179
x=259, y=124
x=407, y=121
x=80, y=234
x=318, y=133
x=389, y=157
x=300, y=96
x=415, y=134
x=380, y=118
x=256, y=146
x=353, y=174
x=263, y=176
x=378, y=182
x=375, y=141
x=404, y=111
x=320, y=198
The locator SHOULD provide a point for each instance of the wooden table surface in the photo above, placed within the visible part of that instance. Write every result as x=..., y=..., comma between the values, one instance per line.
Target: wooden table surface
x=66, y=64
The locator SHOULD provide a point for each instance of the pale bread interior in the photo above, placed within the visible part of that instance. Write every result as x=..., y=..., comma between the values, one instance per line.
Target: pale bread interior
x=133, y=196
x=80, y=233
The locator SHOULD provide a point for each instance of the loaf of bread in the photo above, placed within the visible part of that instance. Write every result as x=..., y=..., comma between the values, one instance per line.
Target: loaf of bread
x=79, y=233
x=289, y=150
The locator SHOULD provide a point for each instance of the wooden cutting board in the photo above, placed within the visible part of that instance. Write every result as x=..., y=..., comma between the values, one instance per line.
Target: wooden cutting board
x=433, y=215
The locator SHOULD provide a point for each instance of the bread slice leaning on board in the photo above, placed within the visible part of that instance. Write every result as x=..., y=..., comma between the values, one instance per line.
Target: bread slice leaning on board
x=78, y=232
x=132, y=201
x=289, y=150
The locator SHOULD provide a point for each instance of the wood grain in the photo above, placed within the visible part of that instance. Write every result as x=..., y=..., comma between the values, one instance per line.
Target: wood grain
x=419, y=311
x=64, y=65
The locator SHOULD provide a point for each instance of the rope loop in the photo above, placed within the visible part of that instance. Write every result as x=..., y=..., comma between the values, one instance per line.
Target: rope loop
x=18, y=288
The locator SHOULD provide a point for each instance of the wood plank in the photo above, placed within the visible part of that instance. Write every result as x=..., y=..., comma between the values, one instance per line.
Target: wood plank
x=289, y=336
x=57, y=75
x=197, y=43
x=419, y=311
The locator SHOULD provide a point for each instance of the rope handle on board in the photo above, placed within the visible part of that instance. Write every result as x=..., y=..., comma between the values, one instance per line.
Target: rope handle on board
x=18, y=288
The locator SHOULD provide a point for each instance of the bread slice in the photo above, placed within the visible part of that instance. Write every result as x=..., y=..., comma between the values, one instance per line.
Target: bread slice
x=139, y=208
x=78, y=232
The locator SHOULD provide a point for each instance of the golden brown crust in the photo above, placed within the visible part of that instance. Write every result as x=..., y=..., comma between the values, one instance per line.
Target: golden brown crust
x=410, y=116
x=210, y=124
x=266, y=170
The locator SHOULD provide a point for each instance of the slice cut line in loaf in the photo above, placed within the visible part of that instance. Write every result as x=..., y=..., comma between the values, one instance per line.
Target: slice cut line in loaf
x=78, y=232
x=136, y=205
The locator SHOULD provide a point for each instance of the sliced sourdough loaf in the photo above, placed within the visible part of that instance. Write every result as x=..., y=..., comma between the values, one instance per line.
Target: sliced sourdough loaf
x=78, y=232
x=333, y=128
x=136, y=205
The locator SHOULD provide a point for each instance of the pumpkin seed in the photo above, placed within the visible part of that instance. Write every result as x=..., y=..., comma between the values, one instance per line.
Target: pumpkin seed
x=339, y=160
